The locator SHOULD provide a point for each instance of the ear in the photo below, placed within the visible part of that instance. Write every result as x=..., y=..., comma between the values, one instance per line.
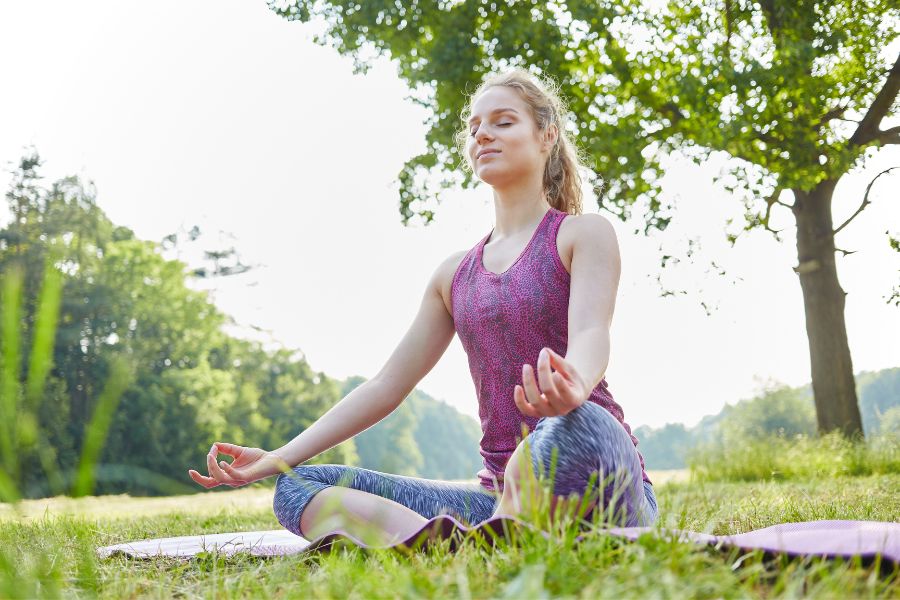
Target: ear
x=551, y=134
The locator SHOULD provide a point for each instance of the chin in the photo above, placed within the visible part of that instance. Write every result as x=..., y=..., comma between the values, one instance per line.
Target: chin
x=496, y=177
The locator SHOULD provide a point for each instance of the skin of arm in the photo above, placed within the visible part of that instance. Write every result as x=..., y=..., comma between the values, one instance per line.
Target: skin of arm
x=596, y=268
x=421, y=347
x=595, y=271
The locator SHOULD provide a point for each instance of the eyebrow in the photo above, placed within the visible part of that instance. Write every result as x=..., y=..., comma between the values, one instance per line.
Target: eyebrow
x=495, y=111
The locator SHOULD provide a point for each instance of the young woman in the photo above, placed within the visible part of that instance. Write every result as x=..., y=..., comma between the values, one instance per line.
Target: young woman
x=532, y=304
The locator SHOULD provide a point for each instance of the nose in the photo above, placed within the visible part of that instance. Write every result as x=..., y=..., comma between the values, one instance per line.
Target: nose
x=482, y=134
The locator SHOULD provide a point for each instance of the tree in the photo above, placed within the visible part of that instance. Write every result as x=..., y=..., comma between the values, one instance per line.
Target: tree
x=794, y=91
x=389, y=445
x=118, y=298
x=780, y=410
x=879, y=393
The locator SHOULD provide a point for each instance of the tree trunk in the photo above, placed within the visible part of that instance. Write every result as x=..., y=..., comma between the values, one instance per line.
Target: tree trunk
x=833, y=384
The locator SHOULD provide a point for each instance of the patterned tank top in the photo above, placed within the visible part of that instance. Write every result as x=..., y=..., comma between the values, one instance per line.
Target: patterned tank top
x=503, y=320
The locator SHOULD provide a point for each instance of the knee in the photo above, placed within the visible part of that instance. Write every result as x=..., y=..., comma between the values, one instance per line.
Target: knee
x=590, y=420
x=286, y=481
x=285, y=501
x=585, y=442
x=281, y=505
x=305, y=478
x=283, y=484
x=582, y=432
x=294, y=490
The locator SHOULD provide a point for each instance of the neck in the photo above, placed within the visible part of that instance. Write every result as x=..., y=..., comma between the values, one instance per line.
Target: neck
x=517, y=210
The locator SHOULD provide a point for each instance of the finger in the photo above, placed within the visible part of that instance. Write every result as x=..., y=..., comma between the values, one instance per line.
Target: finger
x=229, y=449
x=551, y=406
x=532, y=393
x=545, y=373
x=524, y=407
x=547, y=404
x=233, y=473
x=565, y=392
x=569, y=372
x=538, y=401
x=560, y=364
x=546, y=407
x=207, y=482
x=215, y=471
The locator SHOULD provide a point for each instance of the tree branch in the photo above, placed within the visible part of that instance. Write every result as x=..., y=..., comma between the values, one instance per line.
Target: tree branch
x=865, y=201
x=889, y=136
x=868, y=127
x=834, y=113
x=845, y=252
x=773, y=199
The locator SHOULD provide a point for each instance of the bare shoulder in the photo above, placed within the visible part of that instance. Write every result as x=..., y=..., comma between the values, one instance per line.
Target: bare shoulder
x=443, y=276
x=583, y=228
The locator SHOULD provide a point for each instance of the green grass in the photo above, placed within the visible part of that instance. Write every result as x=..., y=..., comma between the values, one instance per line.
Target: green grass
x=804, y=457
x=53, y=554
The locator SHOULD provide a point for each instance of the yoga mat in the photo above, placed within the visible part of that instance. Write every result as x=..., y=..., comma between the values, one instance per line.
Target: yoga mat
x=810, y=538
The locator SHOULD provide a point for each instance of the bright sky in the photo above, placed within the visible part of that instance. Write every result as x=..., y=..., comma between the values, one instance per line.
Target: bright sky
x=221, y=114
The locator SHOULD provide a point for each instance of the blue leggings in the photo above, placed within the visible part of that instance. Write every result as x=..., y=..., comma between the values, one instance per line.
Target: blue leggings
x=594, y=454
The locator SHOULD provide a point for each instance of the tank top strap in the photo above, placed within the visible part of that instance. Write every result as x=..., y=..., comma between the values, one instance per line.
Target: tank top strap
x=551, y=232
x=555, y=222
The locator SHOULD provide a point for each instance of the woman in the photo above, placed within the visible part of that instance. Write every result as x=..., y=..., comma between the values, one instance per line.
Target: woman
x=540, y=288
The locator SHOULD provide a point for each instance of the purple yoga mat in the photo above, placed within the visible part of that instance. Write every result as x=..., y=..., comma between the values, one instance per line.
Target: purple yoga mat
x=811, y=538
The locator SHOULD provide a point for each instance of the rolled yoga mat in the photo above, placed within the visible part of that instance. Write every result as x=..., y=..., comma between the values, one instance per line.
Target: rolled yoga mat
x=831, y=539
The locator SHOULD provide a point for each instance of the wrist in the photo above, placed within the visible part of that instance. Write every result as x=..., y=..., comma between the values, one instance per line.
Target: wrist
x=280, y=456
x=586, y=388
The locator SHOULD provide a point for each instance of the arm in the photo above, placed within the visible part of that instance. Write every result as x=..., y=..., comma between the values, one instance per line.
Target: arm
x=417, y=353
x=596, y=266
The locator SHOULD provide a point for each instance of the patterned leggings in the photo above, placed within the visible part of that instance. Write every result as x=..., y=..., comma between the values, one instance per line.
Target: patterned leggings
x=588, y=440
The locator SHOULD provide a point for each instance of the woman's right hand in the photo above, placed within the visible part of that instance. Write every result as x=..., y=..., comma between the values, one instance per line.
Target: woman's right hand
x=249, y=465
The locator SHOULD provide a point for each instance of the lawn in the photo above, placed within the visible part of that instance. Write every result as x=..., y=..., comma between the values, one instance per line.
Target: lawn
x=48, y=551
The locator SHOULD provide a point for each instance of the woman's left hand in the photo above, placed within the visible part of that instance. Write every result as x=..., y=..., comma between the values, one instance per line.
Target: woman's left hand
x=563, y=388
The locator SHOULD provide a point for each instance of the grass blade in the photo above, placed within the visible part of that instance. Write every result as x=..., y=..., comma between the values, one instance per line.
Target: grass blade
x=95, y=434
x=44, y=335
x=9, y=388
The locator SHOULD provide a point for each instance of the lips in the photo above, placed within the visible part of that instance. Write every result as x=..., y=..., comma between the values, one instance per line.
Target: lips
x=487, y=152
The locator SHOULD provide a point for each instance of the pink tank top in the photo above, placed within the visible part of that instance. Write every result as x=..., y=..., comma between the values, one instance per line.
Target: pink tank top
x=503, y=321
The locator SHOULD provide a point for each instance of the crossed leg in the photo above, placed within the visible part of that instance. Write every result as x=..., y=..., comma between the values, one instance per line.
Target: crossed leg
x=522, y=491
x=373, y=506
x=592, y=460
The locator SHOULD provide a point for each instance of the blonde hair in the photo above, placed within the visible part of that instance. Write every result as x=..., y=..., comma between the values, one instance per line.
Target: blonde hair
x=561, y=183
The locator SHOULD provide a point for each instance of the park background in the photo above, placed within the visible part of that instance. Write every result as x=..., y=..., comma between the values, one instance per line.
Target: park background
x=222, y=136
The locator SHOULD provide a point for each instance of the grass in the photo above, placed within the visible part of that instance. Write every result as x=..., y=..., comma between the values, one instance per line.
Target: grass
x=805, y=457
x=49, y=552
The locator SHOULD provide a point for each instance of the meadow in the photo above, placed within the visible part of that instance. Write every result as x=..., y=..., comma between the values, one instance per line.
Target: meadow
x=48, y=550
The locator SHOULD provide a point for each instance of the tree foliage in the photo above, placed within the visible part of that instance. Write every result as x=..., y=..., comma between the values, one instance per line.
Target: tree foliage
x=423, y=437
x=192, y=385
x=776, y=84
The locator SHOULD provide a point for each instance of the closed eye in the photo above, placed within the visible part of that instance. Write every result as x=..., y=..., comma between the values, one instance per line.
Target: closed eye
x=498, y=125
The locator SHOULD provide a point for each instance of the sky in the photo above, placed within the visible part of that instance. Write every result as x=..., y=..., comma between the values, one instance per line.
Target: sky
x=223, y=115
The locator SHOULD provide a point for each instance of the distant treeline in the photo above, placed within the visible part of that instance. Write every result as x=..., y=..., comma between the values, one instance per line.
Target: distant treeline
x=192, y=384
x=423, y=438
x=780, y=410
